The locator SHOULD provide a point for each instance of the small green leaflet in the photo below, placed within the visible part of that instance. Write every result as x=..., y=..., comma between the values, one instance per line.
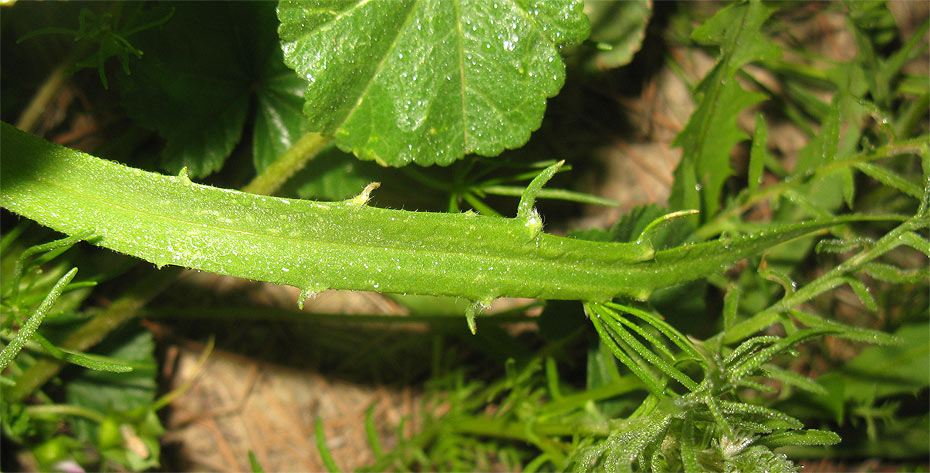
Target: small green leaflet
x=428, y=81
x=617, y=29
x=712, y=132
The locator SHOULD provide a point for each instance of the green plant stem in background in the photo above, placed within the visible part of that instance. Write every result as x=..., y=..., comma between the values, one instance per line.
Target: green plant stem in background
x=66, y=409
x=722, y=221
x=30, y=116
x=518, y=430
x=134, y=299
x=560, y=194
x=293, y=160
x=900, y=235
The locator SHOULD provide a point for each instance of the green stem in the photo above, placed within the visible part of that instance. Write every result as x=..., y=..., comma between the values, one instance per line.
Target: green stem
x=135, y=298
x=342, y=245
x=721, y=221
x=47, y=91
x=293, y=160
x=828, y=281
x=65, y=410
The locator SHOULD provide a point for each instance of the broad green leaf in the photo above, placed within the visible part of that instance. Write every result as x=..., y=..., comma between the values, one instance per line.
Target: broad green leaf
x=428, y=81
x=824, y=146
x=618, y=28
x=712, y=131
x=121, y=393
x=199, y=76
x=829, y=191
x=279, y=120
x=737, y=30
x=106, y=391
x=873, y=28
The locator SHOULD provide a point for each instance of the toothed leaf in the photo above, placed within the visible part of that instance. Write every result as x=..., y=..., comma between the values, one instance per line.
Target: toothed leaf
x=428, y=81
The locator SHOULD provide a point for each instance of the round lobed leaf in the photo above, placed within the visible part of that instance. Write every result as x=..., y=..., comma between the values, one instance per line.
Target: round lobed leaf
x=428, y=81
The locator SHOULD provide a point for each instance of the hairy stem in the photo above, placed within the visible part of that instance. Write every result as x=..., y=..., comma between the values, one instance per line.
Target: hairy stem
x=293, y=160
x=135, y=298
x=344, y=245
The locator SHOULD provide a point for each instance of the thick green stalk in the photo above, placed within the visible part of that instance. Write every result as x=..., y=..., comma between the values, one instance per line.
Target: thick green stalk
x=169, y=220
x=135, y=298
x=287, y=164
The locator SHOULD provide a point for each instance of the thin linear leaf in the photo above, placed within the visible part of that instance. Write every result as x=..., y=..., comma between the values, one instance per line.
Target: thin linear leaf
x=731, y=305
x=51, y=250
x=793, y=379
x=555, y=194
x=736, y=356
x=916, y=242
x=842, y=246
x=325, y=455
x=742, y=408
x=371, y=432
x=658, y=344
x=862, y=292
x=94, y=362
x=889, y=370
x=35, y=320
x=644, y=375
x=688, y=453
x=890, y=178
x=428, y=81
x=254, y=464
x=893, y=274
x=674, y=335
x=800, y=438
x=750, y=384
x=749, y=364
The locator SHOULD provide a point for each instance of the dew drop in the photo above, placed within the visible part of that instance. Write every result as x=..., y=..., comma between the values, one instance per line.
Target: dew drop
x=304, y=295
